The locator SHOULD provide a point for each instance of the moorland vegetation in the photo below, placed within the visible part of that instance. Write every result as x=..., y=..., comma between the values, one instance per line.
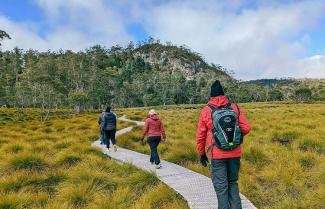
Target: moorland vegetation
x=51, y=164
x=283, y=165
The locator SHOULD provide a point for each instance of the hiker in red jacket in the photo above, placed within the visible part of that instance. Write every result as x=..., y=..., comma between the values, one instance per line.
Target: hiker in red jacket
x=221, y=128
x=154, y=129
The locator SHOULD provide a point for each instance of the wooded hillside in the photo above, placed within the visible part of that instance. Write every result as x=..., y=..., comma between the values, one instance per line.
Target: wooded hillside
x=147, y=74
x=121, y=76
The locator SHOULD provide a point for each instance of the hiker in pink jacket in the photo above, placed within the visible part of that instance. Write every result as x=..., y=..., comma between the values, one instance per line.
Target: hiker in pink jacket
x=154, y=129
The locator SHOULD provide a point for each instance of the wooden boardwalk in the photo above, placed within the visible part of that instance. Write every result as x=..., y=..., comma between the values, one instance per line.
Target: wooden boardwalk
x=196, y=188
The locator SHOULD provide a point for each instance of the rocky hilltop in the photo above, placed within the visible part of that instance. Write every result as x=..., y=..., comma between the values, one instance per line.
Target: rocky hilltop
x=181, y=58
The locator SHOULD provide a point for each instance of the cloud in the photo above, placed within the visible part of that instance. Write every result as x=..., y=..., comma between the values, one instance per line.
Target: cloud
x=255, y=39
x=254, y=42
x=74, y=24
x=22, y=34
x=92, y=18
x=312, y=67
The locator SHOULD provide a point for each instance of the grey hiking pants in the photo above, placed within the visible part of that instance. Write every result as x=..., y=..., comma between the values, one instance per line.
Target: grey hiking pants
x=224, y=173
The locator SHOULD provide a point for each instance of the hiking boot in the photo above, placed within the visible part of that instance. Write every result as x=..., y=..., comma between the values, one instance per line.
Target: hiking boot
x=115, y=148
x=158, y=166
x=152, y=163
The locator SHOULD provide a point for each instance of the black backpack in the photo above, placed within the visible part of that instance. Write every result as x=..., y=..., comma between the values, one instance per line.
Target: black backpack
x=109, y=120
x=226, y=132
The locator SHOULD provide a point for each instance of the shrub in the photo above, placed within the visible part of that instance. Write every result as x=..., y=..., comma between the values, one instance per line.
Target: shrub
x=303, y=94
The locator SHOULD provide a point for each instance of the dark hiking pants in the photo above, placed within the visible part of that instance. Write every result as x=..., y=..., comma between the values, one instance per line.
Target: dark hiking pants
x=153, y=142
x=224, y=173
x=110, y=136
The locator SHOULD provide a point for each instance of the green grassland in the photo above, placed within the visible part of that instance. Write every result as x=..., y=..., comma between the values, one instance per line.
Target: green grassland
x=51, y=164
x=283, y=164
x=46, y=161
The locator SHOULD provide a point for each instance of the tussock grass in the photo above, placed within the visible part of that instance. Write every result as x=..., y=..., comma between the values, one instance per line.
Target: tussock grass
x=285, y=138
x=256, y=156
x=12, y=201
x=14, y=148
x=69, y=160
x=312, y=145
x=159, y=197
x=307, y=161
x=62, y=145
x=51, y=164
x=26, y=161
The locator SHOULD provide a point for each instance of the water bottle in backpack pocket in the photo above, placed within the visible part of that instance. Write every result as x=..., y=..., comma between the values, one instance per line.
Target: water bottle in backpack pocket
x=226, y=132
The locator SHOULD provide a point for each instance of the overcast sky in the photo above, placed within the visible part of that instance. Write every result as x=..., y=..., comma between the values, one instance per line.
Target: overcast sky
x=254, y=39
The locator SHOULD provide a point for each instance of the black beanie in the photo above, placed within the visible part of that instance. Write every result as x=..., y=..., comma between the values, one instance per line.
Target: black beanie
x=108, y=109
x=216, y=89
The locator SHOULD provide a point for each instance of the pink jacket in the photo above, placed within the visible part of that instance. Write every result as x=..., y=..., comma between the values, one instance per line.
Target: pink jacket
x=153, y=127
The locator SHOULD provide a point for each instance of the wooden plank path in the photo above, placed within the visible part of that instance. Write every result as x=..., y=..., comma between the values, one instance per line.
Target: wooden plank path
x=195, y=188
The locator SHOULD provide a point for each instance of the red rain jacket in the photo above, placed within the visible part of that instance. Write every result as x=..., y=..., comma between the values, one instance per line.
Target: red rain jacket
x=204, y=131
x=153, y=127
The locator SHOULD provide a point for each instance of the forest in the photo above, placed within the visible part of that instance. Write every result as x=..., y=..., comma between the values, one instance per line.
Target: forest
x=144, y=74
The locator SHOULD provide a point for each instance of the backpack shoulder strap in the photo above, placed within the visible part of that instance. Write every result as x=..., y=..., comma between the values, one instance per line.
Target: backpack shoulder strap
x=228, y=105
x=237, y=108
x=211, y=107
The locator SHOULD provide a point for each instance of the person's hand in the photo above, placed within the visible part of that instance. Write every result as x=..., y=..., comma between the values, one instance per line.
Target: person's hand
x=204, y=160
x=142, y=142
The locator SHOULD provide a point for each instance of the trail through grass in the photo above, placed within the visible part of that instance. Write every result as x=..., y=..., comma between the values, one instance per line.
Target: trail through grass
x=52, y=165
x=283, y=165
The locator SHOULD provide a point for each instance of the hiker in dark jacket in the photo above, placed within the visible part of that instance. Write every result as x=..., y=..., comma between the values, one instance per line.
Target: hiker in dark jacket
x=154, y=129
x=225, y=154
x=109, y=127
